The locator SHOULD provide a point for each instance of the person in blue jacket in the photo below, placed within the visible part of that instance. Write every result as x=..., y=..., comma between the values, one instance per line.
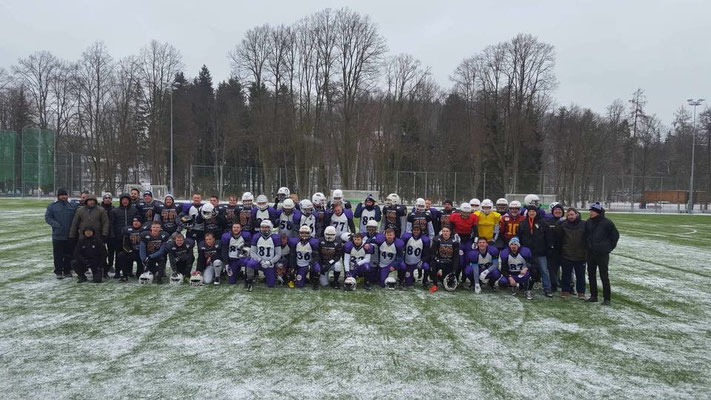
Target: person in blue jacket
x=59, y=216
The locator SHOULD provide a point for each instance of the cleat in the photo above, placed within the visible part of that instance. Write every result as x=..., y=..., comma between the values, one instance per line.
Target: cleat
x=216, y=281
x=529, y=294
x=367, y=286
x=82, y=279
x=59, y=276
x=67, y=274
x=581, y=296
x=592, y=300
x=123, y=279
x=249, y=287
x=477, y=288
x=548, y=294
x=433, y=288
x=606, y=302
x=513, y=291
x=290, y=284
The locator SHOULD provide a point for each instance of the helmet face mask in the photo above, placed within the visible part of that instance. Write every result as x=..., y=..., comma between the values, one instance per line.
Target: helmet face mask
x=304, y=232
x=329, y=234
x=306, y=207
x=486, y=206
x=288, y=205
x=475, y=203
x=283, y=193
x=262, y=202
x=207, y=211
x=146, y=278
x=337, y=196
x=391, y=283
x=501, y=205
x=247, y=199
x=514, y=208
x=349, y=283
x=420, y=205
x=196, y=279
x=450, y=282
x=265, y=227
x=176, y=278
x=532, y=200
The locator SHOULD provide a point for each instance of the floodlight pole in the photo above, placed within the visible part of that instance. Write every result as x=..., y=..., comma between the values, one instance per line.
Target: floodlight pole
x=690, y=206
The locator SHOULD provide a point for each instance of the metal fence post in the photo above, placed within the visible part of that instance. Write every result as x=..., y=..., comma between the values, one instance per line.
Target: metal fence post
x=455, y=189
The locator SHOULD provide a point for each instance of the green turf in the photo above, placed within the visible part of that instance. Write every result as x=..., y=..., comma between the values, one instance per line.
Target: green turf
x=59, y=339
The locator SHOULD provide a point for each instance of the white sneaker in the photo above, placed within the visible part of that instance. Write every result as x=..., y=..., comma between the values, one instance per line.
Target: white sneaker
x=477, y=288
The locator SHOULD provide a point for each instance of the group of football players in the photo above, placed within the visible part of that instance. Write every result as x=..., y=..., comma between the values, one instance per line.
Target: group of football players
x=316, y=242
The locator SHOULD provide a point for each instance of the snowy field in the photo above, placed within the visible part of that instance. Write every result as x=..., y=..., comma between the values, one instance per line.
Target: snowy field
x=61, y=340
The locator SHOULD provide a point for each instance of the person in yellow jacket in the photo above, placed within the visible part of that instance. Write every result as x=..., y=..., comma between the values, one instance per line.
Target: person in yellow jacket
x=488, y=225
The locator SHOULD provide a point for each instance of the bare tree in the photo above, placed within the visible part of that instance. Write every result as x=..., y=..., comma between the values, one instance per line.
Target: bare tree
x=37, y=73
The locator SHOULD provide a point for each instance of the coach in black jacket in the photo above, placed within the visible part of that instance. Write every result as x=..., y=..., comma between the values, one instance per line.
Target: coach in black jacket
x=534, y=233
x=120, y=217
x=601, y=238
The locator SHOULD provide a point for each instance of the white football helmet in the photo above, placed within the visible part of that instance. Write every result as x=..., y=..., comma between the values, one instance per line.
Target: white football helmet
x=531, y=200
x=196, y=279
x=345, y=236
x=283, y=193
x=488, y=204
x=391, y=283
x=514, y=208
x=207, y=211
x=465, y=208
x=552, y=205
x=337, y=196
x=502, y=202
x=306, y=206
x=349, y=283
x=176, y=278
x=247, y=199
x=318, y=199
x=420, y=205
x=262, y=202
x=288, y=204
x=392, y=200
x=146, y=278
x=304, y=232
x=450, y=282
x=475, y=203
x=329, y=233
x=265, y=227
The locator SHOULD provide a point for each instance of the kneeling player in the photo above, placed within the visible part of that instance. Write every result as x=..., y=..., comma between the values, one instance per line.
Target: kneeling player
x=417, y=248
x=265, y=252
x=90, y=254
x=330, y=254
x=235, y=251
x=482, y=264
x=445, y=251
x=180, y=254
x=515, y=262
x=357, y=257
x=284, y=271
x=389, y=250
x=130, y=244
x=152, y=251
x=304, y=255
x=210, y=259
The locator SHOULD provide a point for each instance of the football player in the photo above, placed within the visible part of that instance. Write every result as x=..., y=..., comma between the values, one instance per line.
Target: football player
x=366, y=211
x=508, y=225
x=265, y=252
x=394, y=215
x=180, y=254
x=245, y=212
x=502, y=206
x=230, y=212
x=282, y=194
x=515, y=263
x=152, y=251
x=330, y=255
x=421, y=216
x=129, y=253
x=444, y=214
x=167, y=214
x=283, y=270
x=319, y=202
x=464, y=225
x=209, y=262
x=389, y=250
x=288, y=219
x=357, y=256
x=134, y=195
x=488, y=221
x=211, y=220
x=445, y=259
x=308, y=217
x=338, y=199
x=189, y=211
x=263, y=212
x=147, y=208
x=235, y=251
x=482, y=264
x=416, y=254
x=340, y=219
x=475, y=203
x=304, y=254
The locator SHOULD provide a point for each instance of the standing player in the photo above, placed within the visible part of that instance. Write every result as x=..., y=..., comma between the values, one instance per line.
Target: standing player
x=167, y=214
x=211, y=220
x=146, y=208
x=230, y=212
x=245, y=212
x=152, y=251
x=180, y=255
x=265, y=252
x=390, y=252
x=488, y=221
x=188, y=214
x=340, y=219
x=235, y=251
x=263, y=212
x=283, y=193
x=210, y=259
x=319, y=203
x=445, y=214
x=394, y=215
x=304, y=255
x=475, y=203
x=508, y=225
x=416, y=254
x=307, y=216
x=515, y=263
x=502, y=206
x=445, y=261
x=134, y=194
x=464, y=225
x=554, y=264
x=422, y=217
x=120, y=218
x=366, y=211
x=288, y=219
x=338, y=199
x=482, y=264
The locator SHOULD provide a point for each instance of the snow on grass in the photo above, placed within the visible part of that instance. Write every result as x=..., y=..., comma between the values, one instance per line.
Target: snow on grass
x=59, y=339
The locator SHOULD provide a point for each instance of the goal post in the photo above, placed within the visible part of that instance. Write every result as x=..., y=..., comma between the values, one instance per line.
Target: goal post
x=357, y=196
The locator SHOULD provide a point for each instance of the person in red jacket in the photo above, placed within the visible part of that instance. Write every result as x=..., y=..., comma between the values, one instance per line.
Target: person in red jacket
x=464, y=224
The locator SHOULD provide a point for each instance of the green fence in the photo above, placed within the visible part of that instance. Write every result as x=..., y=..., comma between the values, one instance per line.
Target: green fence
x=8, y=178
x=37, y=161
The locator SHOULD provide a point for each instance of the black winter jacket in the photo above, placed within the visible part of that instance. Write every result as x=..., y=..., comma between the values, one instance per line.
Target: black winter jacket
x=540, y=241
x=571, y=239
x=601, y=235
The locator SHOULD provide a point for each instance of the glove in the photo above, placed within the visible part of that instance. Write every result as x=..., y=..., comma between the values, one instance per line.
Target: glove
x=266, y=264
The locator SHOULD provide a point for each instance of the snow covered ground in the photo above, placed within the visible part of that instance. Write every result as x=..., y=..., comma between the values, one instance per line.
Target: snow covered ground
x=59, y=339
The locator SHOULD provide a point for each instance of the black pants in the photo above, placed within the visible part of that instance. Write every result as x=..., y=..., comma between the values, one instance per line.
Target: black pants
x=112, y=247
x=157, y=268
x=554, y=271
x=124, y=263
x=183, y=267
x=62, y=251
x=599, y=261
x=81, y=269
x=446, y=269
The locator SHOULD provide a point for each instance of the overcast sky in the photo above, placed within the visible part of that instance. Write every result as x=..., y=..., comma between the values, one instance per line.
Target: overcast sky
x=604, y=49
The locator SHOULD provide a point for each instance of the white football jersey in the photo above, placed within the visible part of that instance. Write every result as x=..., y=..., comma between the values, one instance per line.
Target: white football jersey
x=265, y=248
x=386, y=253
x=303, y=254
x=309, y=221
x=366, y=216
x=340, y=222
x=413, y=251
x=235, y=244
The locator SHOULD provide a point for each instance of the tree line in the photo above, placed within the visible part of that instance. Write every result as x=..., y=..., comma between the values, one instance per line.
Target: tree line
x=325, y=101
